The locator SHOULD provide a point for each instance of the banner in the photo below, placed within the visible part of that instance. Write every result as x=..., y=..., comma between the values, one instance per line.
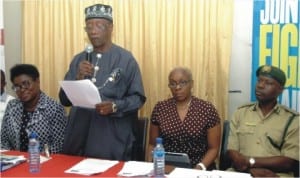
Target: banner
x=2, y=61
x=276, y=42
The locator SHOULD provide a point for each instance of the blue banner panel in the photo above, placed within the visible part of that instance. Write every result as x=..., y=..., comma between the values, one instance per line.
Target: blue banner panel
x=276, y=37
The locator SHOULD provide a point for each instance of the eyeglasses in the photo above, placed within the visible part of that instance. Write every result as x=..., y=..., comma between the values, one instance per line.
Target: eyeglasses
x=99, y=27
x=181, y=84
x=24, y=85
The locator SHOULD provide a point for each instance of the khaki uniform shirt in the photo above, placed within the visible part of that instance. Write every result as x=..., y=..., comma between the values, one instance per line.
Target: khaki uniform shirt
x=255, y=135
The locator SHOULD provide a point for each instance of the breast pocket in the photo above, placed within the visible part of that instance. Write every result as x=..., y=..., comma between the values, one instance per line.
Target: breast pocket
x=115, y=88
x=246, y=135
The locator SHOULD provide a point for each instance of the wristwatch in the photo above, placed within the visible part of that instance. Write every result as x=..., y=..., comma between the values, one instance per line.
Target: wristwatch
x=251, y=161
x=114, y=107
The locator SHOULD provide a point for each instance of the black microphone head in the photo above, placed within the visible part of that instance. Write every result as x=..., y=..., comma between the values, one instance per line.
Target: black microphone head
x=89, y=48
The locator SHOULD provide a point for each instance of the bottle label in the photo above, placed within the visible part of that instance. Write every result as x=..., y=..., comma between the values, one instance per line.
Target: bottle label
x=159, y=153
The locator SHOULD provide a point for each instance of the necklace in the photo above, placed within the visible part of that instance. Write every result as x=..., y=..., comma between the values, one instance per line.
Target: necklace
x=96, y=67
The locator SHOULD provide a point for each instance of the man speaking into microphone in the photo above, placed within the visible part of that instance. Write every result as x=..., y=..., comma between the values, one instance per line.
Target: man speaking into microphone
x=105, y=131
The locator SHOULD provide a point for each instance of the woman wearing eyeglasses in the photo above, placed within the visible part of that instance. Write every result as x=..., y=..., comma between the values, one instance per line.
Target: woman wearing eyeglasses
x=32, y=111
x=186, y=123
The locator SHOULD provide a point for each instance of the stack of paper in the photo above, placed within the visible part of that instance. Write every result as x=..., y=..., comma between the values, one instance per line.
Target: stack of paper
x=183, y=172
x=8, y=161
x=91, y=166
x=136, y=168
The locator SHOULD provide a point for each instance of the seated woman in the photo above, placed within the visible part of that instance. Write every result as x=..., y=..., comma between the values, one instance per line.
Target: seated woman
x=186, y=123
x=31, y=111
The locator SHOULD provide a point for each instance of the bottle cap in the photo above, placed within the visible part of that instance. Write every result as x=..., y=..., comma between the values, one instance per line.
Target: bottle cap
x=159, y=140
x=33, y=135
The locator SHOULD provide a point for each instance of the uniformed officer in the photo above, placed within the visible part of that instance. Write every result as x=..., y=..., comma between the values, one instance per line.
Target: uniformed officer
x=264, y=136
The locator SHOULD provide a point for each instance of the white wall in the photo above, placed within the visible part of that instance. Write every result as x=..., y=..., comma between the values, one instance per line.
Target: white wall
x=12, y=35
x=241, y=56
x=2, y=62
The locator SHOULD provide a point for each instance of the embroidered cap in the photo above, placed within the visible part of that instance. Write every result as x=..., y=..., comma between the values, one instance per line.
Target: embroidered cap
x=99, y=11
x=273, y=72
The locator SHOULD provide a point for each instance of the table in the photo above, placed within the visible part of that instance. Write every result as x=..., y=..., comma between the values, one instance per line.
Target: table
x=55, y=167
x=59, y=163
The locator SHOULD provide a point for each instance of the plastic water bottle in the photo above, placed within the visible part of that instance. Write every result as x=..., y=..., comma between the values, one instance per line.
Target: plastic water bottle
x=34, y=153
x=159, y=158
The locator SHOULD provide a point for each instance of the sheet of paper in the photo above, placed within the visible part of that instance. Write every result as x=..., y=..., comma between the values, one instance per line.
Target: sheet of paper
x=183, y=172
x=81, y=93
x=14, y=159
x=9, y=161
x=229, y=174
x=91, y=166
x=136, y=168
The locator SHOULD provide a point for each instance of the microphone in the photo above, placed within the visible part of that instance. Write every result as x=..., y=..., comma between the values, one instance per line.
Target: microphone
x=115, y=75
x=89, y=49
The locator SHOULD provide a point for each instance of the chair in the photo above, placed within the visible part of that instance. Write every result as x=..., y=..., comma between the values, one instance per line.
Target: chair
x=224, y=160
x=296, y=169
x=140, y=132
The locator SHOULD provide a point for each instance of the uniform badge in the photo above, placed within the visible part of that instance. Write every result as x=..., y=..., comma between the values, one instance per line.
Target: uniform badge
x=266, y=69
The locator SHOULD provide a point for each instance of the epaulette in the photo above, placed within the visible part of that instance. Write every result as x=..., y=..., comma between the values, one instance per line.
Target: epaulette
x=290, y=110
x=247, y=105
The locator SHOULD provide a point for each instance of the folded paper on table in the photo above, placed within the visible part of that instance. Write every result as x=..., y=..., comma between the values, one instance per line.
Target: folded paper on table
x=8, y=161
x=44, y=159
x=82, y=93
x=90, y=166
x=136, y=168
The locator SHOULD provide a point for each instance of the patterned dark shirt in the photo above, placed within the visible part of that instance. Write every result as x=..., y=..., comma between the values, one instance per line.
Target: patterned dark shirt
x=48, y=120
x=187, y=136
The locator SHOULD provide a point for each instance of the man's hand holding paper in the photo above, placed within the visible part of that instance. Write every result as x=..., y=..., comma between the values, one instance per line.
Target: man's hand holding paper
x=104, y=108
x=82, y=93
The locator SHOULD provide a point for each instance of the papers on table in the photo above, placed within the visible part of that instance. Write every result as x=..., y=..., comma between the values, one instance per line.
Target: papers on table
x=91, y=166
x=4, y=156
x=8, y=161
x=136, y=168
x=183, y=172
x=81, y=93
x=230, y=174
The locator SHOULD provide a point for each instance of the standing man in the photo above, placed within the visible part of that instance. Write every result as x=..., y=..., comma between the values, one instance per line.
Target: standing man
x=105, y=131
x=264, y=136
x=4, y=97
